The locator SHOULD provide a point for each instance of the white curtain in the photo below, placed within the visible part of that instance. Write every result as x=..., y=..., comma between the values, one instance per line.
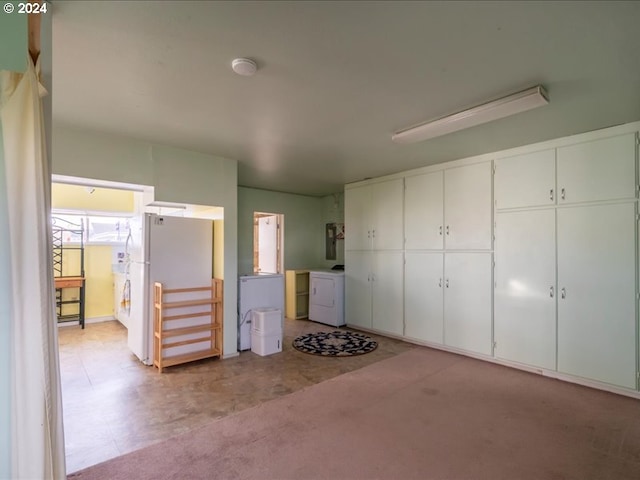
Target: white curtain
x=37, y=441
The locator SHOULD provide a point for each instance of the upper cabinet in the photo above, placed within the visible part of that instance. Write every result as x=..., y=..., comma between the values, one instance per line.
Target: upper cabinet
x=467, y=207
x=527, y=180
x=373, y=216
x=449, y=209
x=423, y=211
x=598, y=170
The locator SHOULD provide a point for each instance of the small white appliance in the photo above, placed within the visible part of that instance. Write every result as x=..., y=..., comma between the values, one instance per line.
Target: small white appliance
x=175, y=251
x=266, y=331
x=264, y=290
x=326, y=297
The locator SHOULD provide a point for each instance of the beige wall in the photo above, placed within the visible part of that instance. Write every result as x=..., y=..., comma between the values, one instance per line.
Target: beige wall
x=76, y=197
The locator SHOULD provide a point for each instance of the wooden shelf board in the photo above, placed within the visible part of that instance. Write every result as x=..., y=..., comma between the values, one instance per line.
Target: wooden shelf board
x=191, y=303
x=187, y=330
x=189, y=357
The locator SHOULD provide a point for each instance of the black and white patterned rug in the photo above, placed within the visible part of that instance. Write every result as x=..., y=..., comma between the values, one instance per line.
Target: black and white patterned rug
x=335, y=344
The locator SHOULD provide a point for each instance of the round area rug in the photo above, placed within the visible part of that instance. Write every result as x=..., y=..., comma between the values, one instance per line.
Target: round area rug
x=335, y=344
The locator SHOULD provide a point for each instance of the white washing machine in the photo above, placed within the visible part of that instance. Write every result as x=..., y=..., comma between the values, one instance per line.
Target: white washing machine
x=326, y=297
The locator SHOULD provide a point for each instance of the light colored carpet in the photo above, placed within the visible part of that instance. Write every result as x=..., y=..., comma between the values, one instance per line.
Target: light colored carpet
x=423, y=414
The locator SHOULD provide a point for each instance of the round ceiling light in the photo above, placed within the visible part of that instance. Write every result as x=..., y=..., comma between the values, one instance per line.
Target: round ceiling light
x=244, y=66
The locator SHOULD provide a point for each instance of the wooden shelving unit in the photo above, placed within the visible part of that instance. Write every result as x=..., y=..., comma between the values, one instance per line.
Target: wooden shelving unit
x=174, y=333
x=64, y=277
x=297, y=293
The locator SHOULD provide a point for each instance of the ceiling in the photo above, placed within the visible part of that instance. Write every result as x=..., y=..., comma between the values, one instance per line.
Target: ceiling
x=336, y=79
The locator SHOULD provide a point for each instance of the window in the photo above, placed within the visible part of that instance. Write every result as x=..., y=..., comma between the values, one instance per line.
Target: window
x=98, y=229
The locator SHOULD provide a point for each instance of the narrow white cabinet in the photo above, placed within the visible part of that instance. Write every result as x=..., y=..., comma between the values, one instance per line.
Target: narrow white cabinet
x=467, y=301
x=358, y=288
x=423, y=301
x=527, y=180
x=357, y=218
x=423, y=211
x=387, y=292
x=598, y=170
x=596, y=303
x=525, y=287
x=373, y=215
x=387, y=218
x=467, y=207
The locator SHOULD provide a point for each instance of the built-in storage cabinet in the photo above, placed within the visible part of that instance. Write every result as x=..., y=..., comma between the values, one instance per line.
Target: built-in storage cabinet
x=467, y=301
x=599, y=170
x=563, y=292
x=374, y=216
x=525, y=287
x=424, y=211
x=297, y=293
x=423, y=301
x=450, y=209
x=527, y=180
x=597, y=299
x=357, y=272
x=467, y=207
x=374, y=283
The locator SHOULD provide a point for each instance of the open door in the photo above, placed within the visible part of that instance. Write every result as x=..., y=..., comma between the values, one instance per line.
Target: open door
x=267, y=242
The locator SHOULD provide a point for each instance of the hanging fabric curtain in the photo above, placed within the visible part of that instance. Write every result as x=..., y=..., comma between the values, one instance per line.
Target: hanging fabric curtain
x=37, y=441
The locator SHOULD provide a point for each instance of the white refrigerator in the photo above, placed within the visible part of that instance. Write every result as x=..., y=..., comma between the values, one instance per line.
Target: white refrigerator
x=262, y=290
x=176, y=251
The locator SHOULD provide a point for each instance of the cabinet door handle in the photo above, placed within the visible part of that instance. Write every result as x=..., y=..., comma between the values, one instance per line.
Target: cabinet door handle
x=551, y=291
x=373, y=233
x=440, y=229
x=446, y=283
x=562, y=194
x=447, y=229
x=551, y=194
x=563, y=293
x=314, y=290
x=440, y=283
x=368, y=233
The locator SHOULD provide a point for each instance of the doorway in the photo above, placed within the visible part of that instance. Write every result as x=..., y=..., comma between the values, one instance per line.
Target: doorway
x=268, y=238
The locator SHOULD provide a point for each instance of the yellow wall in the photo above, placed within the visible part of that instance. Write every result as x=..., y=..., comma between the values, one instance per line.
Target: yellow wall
x=218, y=249
x=99, y=280
x=76, y=197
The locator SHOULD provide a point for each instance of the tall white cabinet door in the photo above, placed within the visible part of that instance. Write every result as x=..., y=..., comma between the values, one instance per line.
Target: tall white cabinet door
x=358, y=288
x=598, y=170
x=527, y=180
x=525, y=293
x=423, y=212
x=387, y=292
x=596, y=282
x=423, y=301
x=467, y=301
x=467, y=207
x=387, y=219
x=357, y=218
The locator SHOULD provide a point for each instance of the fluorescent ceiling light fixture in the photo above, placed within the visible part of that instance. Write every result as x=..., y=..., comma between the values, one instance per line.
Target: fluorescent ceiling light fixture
x=487, y=112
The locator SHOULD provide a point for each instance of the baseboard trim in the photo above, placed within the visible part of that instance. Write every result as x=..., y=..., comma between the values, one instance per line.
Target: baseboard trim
x=230, y=355
x=505, y=363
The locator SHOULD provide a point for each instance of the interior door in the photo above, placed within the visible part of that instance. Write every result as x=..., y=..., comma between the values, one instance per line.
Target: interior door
x=423, y=301
x=525, y=293
x=597, y=302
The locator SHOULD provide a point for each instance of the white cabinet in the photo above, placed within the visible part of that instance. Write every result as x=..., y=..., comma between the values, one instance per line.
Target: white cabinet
x=423, y=211
x=373, y=216
x=450, y=210
x=467, y=207
x=387, y=289
x=599, y=170
x=423, y=301
x=525, y=287
x=357, y=270
x=597, y=301
x=467, y=301
x=527, y=180
x=374, y=285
